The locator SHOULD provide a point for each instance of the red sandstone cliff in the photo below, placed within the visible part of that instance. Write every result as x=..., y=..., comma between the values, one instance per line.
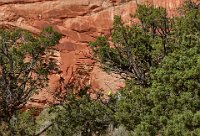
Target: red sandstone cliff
x=80, y=21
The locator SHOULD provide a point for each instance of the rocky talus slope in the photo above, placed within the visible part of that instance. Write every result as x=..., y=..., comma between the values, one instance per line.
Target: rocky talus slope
x=79, y=21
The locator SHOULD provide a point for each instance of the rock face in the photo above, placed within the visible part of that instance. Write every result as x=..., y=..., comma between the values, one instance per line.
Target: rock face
x=79, y=21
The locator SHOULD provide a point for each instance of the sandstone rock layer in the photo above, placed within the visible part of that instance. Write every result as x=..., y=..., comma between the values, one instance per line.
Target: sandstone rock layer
x=79, y=21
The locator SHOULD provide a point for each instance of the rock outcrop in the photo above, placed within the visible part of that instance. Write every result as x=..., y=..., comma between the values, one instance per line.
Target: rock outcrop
x=79, y=21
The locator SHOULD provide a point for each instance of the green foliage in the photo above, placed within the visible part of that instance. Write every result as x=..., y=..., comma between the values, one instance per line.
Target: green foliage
x=162, y=57
x=81, y=114
x=23, y=123
x=135, y=48
x=24, y=67
x=152, y=18
x=170, y=106
x=104, y=52
x=131, y=106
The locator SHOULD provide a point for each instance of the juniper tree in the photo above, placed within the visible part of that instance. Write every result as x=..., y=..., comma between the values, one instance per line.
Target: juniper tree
x=23, y=69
